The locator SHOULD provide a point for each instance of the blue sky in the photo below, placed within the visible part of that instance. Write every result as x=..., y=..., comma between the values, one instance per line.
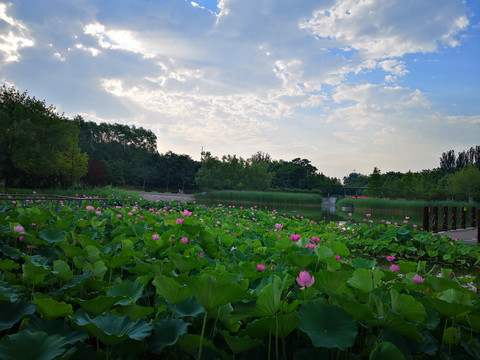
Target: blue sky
x=347, y=84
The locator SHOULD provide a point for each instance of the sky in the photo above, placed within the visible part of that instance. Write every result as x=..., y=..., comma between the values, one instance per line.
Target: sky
x=347, y=84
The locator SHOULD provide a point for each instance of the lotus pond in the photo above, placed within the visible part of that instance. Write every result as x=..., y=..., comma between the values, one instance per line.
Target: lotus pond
x=132, y=279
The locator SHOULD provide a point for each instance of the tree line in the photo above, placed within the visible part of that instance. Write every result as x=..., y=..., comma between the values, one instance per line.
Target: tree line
x=457, y=177
x=40, y=148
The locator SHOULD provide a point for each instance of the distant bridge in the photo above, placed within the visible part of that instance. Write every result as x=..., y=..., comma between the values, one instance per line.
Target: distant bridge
x=356, y=188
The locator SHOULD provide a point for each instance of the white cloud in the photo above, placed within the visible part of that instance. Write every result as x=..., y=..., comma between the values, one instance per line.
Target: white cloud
x=379, y=29
x=14, y=37
x=117, y=39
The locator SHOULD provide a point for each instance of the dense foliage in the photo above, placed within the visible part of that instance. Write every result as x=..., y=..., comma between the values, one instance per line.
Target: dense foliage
x=127, y=278
x=38, y=147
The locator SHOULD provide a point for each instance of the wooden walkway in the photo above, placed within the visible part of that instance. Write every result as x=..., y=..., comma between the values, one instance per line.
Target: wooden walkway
x=469, y=235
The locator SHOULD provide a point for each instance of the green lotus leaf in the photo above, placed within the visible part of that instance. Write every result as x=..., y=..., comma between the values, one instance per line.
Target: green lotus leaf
x=355, y=308
x=386, y=351
x=134, y=311
x=128, y=290
x=407, y=306
x=26, y=345
x=361, y=263
x=240, y=344
x=165, y=333
x=93, y=253
x=71, y=250
x=57, y=326
x=301, y=260
x=327, y=326
x=52, y=235
x=333, y=282
x=99, y=269
x=212, y=294
x=34, y=274
x=188, y=307
x=7, y=265
x=52, y=309
x=117, y=261
x=9, y=292
x=170, y=289
x=394, y=322
x=111, y=329
x=269, y=298
x=365, y=279
x=77, y=282
x=139, y=230
x=338, y=248
x=13, y=312
x=99, y=304
x=281, y=324
x=184, y=263
x=62, y=270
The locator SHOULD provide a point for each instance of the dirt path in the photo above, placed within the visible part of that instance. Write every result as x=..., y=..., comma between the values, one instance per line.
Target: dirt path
x=154, y=196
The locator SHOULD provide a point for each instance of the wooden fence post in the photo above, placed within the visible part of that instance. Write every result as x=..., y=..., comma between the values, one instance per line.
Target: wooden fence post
x=463, y=217
x=435, y=219
x=426, y=218
x=454, y=218
x=478, y=226
x=445, y=218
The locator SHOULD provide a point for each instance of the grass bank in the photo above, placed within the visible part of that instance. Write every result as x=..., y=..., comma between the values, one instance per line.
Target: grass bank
x=261, y=197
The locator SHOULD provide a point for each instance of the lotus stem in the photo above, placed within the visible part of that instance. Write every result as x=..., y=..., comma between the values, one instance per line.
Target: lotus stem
x=201, y=335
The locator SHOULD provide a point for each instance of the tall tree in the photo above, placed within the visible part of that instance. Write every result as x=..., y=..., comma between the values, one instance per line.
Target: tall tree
x=375, y=182
x=32, y=137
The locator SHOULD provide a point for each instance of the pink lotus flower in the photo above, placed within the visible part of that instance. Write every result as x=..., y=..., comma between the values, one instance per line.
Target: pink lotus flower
x=119, y=216
x=390, y=258
x=278, y=226
x=179, y=221
x=18, y=229
x=295, y=237
x=89, y=208
x=304, y=280
x=315, y=239
x=261, y=267
x=417, y=279
x=186, y=213
x=155, y=237
x=310, y=246
x=337, y=257
x=184, y=240
x=395, y=268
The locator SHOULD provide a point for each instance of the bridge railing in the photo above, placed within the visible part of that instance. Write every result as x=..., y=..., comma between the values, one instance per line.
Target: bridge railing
x=440, y=219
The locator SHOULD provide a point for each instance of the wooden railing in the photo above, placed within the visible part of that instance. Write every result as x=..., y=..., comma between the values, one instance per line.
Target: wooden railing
x=52, y=201
x=441, y=223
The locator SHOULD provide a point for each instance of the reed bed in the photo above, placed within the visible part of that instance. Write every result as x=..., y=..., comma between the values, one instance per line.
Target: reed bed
x=261, y=197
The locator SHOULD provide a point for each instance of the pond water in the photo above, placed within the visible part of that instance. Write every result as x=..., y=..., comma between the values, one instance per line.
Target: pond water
x=327, y=213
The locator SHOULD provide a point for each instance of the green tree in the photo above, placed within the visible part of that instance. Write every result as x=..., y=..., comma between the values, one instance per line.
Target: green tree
x=465, y=183
x=32, y=138
x=375, y=183
x=72, y=163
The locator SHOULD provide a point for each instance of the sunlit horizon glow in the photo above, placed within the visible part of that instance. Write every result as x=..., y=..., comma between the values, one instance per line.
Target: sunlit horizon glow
x=345, y=84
